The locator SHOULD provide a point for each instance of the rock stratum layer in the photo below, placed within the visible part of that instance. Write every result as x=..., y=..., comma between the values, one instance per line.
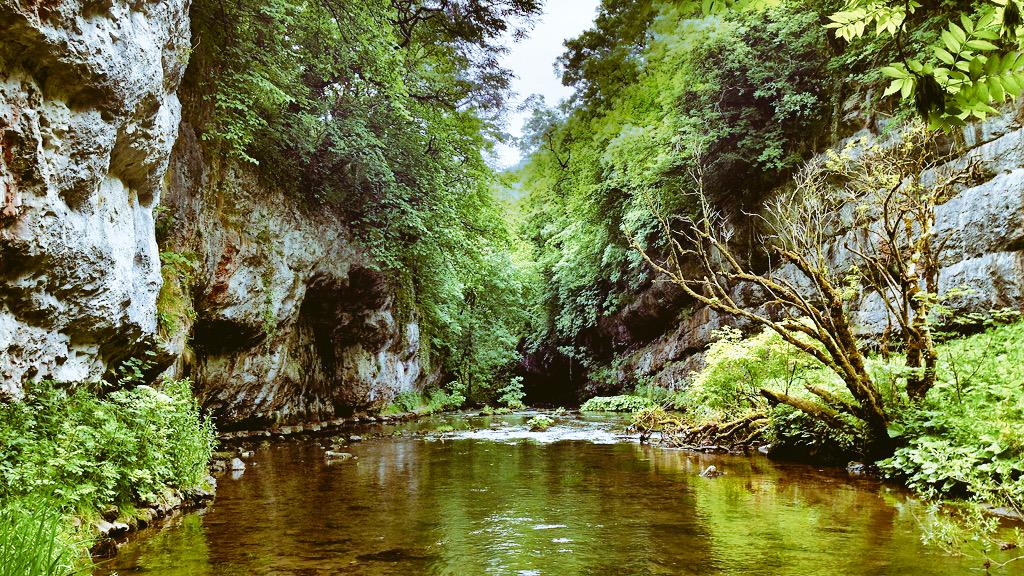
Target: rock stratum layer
x=282, y=317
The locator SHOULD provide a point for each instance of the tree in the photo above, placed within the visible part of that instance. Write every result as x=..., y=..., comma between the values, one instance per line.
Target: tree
x=897, y=253
x=808, y=293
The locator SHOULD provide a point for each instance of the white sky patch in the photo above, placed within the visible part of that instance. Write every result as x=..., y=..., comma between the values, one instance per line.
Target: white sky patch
x=532, y=60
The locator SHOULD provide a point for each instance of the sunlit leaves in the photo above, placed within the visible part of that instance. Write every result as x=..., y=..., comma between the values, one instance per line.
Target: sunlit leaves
x=861, y=15
x=973, y=71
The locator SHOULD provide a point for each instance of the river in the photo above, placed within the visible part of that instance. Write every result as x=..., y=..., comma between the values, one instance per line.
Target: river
x=492, y=498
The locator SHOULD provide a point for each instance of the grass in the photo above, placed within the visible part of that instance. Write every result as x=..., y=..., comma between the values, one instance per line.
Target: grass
x=35, y=540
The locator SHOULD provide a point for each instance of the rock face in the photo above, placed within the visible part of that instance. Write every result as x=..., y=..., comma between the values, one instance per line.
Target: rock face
x=266, y=302
x=982, y=227
x=291, y=320
x=88, y=115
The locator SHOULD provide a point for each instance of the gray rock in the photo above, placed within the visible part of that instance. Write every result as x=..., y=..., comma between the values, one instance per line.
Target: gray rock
x=145, y=517
x=856, y=469
x=338, y=456
x=237, y=464
x=89, y=115
x=107, y=529
x=291, y=305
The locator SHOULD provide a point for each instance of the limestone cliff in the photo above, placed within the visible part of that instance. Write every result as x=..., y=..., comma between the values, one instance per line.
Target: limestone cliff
x=266, y=301
x=88, y=115
x=290, y=319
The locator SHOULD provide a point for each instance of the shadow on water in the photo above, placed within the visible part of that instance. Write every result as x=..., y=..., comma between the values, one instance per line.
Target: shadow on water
x=492, y=498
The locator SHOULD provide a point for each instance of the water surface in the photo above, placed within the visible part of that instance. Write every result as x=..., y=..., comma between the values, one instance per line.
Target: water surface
x=494, y=498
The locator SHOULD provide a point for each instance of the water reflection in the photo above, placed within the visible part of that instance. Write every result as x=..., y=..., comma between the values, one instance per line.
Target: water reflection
x=523, y=505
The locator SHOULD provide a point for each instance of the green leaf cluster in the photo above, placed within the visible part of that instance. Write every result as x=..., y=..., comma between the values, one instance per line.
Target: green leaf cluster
x=85, y=451
x=621, y=403
x=964, y=69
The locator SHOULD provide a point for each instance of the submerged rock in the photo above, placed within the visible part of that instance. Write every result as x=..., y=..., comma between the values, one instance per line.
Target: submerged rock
x=338, y=456
x=711, y=472
x=107, y=529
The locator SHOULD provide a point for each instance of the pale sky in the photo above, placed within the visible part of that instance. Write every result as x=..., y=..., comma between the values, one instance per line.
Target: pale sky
x=532, y=61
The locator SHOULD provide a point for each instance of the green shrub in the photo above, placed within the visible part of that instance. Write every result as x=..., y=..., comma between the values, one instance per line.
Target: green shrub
x=408, y=401
x=540, y=423
x=729, y=388
x=440, y=400
x=437, y=400
x=88, y=451
x=737, y=368
x=968, y=437
x=35, y=540
x=512, y=394
x=622, y=403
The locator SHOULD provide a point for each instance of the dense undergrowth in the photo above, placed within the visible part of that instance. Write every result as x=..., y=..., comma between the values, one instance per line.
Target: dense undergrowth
x=76, y=453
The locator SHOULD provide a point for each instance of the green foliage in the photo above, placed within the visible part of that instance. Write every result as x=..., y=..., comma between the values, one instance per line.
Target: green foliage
x=737, y=368
x=965, y=71
x=659, y=89
x=35, y=540
x=86, y=451
x=174, y=307
x=968, y=437
x=437, y=400
x=512, y=394
x=540, y=423
x=622, y=403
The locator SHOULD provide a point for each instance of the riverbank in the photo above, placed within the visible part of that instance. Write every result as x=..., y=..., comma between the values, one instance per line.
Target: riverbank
x=963, y=442
x=82, y=466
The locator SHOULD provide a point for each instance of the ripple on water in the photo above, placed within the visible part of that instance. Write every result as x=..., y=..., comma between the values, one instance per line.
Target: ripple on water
x=549, y=436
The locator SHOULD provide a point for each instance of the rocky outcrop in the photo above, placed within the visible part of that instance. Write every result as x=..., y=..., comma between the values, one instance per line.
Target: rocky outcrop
x=88, y=115
x=981, y=229
x=291, y=320
x=264, y=300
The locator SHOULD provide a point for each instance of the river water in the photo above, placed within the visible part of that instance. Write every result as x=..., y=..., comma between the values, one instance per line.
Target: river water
x=493, y=498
